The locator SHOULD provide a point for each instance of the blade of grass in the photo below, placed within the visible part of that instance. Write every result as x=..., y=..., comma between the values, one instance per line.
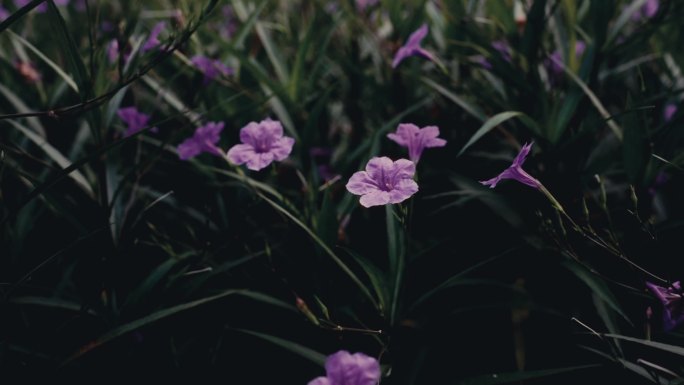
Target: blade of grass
x=303, y=351
x=468, y=107
x=490, y=124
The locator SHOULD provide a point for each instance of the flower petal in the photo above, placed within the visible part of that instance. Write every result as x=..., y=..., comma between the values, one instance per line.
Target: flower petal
x=375, y=198
x=259, y=161
x=250, y=133
x=352, y=369
x=417, y=37
x=188, y=149
x=403, y=190
x=282, y=148
x=241, y=153
x=360, y=184
x=378, y=167
x=320, y=381
x=403, y=168
x=524, y=151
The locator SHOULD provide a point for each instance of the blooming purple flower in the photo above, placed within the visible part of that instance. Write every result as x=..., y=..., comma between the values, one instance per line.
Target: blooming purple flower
x=669, y=111
x=343, y=368
x=4, y=14
x=555, y=70
x=203, y=140
x=153, y=40
x=211, y=68
x=646, y=11
x=672, y=299
x=416, y=139
x=262, y=143
x=134, y=119
x=413, y=48
x=384, y=182
x=515, y=171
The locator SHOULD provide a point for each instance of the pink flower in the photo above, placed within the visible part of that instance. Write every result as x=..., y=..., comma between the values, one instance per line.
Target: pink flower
x=384, y=182
x=417, y=139
x=515, y=171
x=203, y=140
x=413, y=48
x=262, y=143
x=343, y=368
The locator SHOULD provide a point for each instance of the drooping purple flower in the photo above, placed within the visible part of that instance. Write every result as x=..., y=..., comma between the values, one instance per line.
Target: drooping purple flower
x=669, y=111
x=153, y=40
x=4, y=14
x=203, y=140
x=361, y=5
x=134, y=119
x=552, y=62
x=417, y=139
x=672, y=299
x=344, y=368
x=413, y=48
x=646, y=11
x=262, y=143
x=211, y=68
x=515, y=171
x=384, y=182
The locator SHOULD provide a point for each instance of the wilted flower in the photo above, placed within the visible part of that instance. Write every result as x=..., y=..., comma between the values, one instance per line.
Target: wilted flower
x=515, y=171
x=413, y=48
x=669, y=111
x=384, y=182
x=153, y=40
x=646, y=11
x=203, y=140
x=672, y=299
x=552, y=63
x=361, y=5
x=28, y=71
x=262, y=143
x=4, y=14
x=210, y=68
x=417, y=139
x=134, y=119
x=343, y=368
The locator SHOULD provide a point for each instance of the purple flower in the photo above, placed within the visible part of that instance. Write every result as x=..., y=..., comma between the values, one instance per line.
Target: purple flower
x=417, y=139
x=502, y=47
x=669, y=111
x=134, y=119
x=210, y=68
x=555, y=70
x=673, y=303
x=515, y=171
x=4, y=14
x=203, y=140
x=412, y=47
x=153, y=40
x=343, y=368
x=229, y=26
x=646, y=11
x=262, y=143
x=384, y=182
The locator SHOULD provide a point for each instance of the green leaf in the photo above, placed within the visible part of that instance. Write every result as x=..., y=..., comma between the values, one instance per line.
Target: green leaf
x=653, y=344
x=154, y=317
x=19, y=13
x=506, y=378
x=492, y=123
x=598, y=286
x=396, y=252
x=467, y=106
x=635, y=146
x=308, y=353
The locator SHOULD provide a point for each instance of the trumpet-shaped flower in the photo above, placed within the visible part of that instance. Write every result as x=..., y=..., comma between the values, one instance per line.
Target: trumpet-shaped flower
x=672, y=299
x=210, y=68
x=203, y=140
x=384, y=182
x=416, y=139
x=262, y=143
x=134, y=119
x=413, y=48
x=344, y=368
x=515, y=171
